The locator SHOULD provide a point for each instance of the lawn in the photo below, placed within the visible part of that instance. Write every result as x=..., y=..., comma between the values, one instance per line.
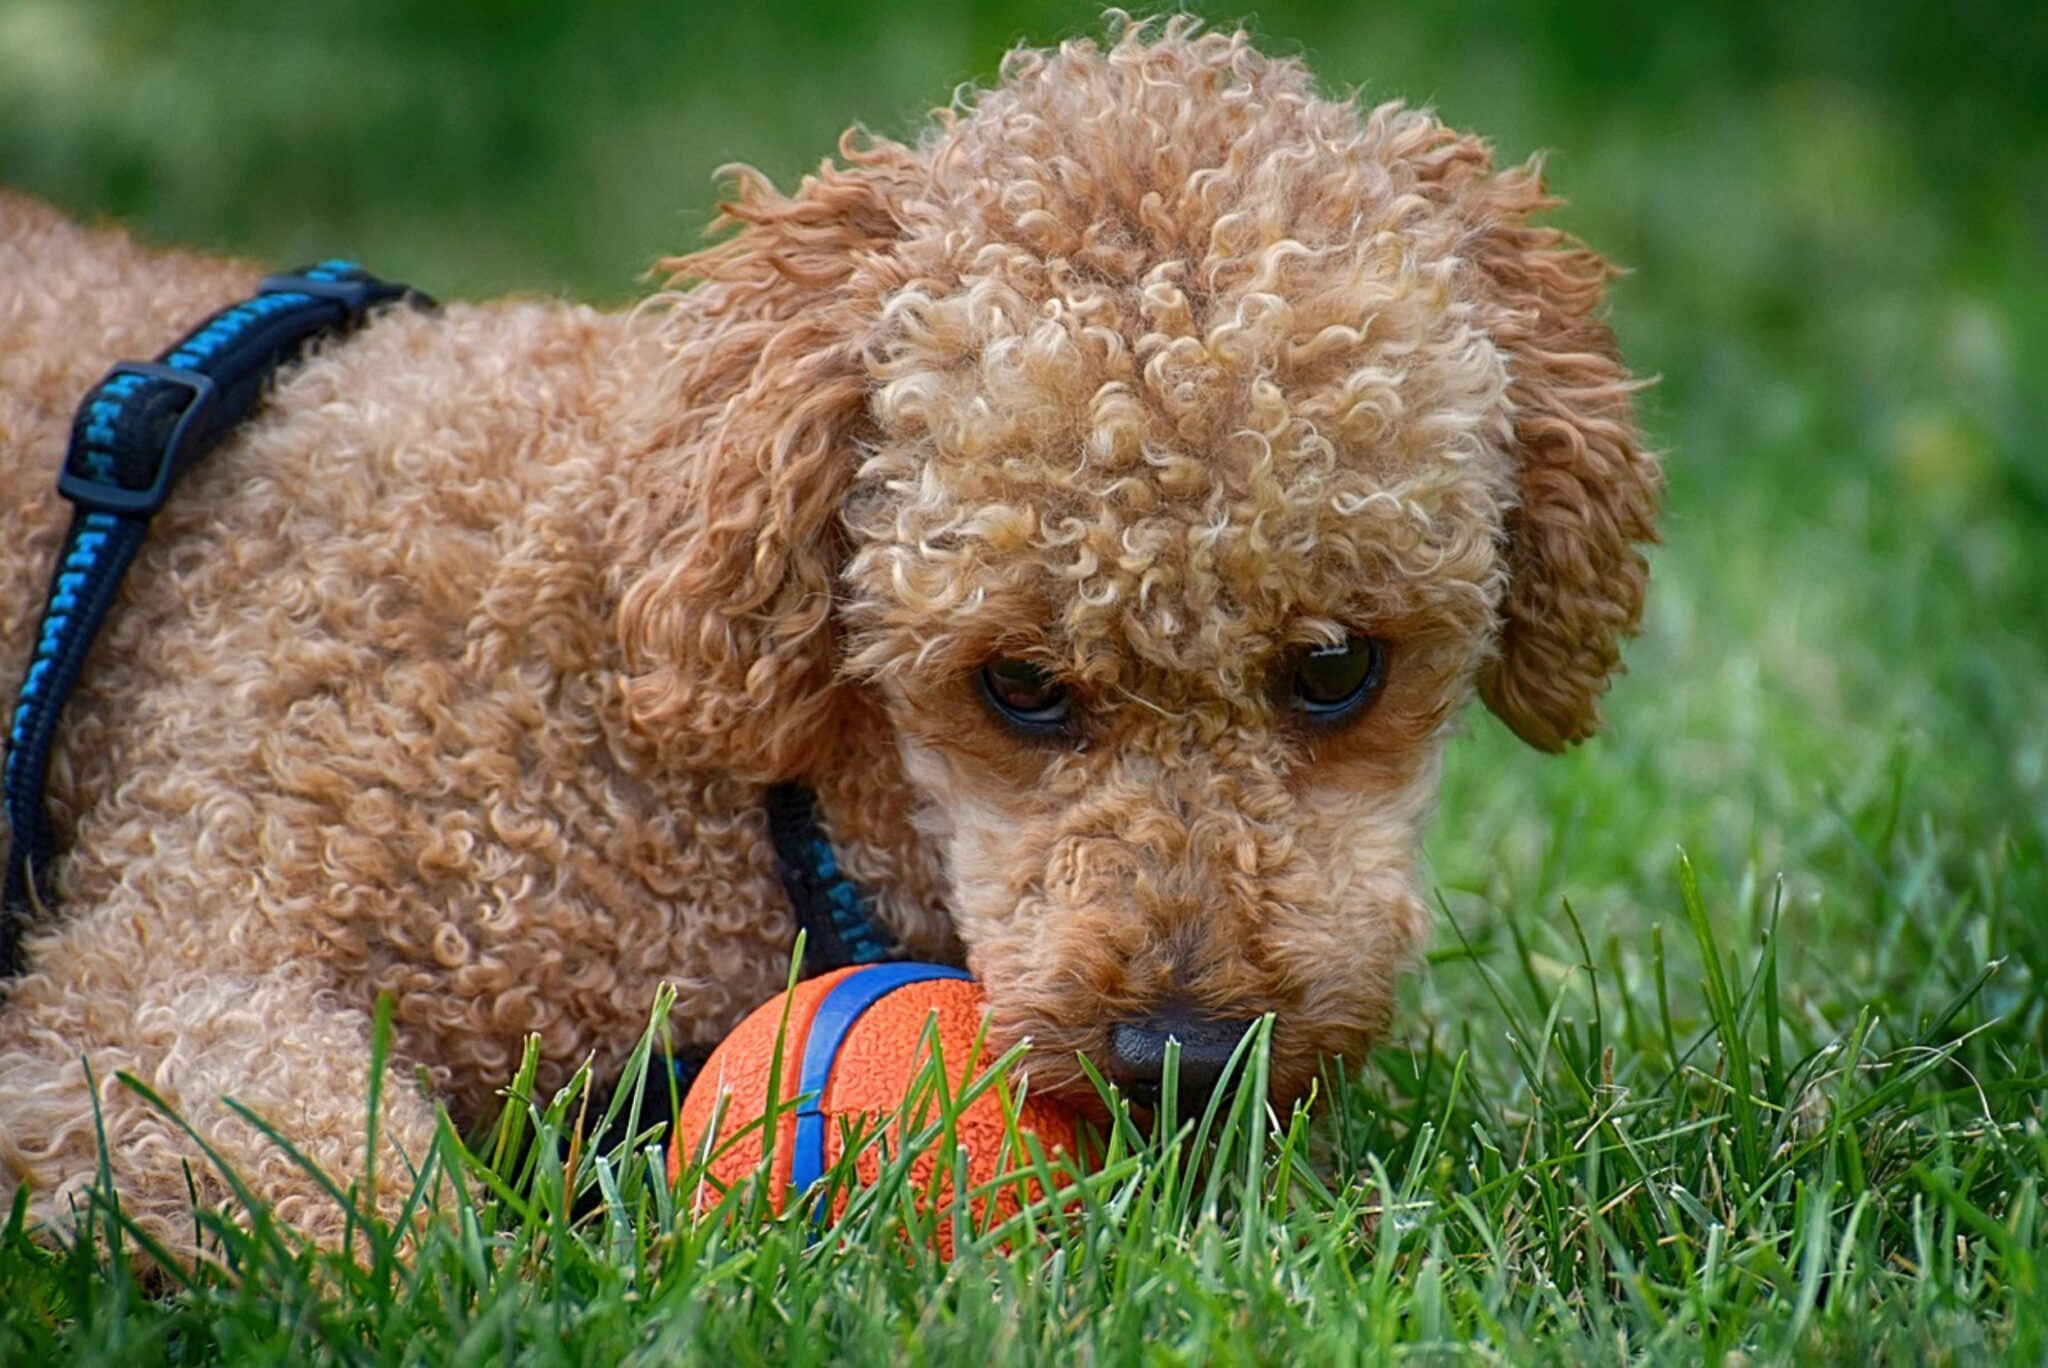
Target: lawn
x=1734, y=1039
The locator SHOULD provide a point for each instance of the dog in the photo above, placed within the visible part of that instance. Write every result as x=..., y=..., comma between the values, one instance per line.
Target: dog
x=1103, y=504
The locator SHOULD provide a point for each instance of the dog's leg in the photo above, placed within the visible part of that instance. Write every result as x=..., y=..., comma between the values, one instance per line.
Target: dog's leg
x=102, y=994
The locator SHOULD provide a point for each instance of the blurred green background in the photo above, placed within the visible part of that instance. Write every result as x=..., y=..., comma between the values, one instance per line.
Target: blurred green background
x=1835, y=214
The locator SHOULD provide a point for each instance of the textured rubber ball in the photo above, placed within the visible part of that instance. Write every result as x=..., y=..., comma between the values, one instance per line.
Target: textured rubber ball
x=856, y=1042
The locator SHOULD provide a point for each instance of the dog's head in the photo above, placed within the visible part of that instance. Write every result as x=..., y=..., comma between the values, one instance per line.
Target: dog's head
x=1161, y=453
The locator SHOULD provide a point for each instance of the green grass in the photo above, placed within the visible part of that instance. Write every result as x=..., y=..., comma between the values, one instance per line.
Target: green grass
x=1735, y=1033
x=1621, y=1177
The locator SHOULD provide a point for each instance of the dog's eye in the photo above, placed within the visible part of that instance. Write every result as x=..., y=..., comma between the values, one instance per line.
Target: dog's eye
x=1024, y=693
x=1331, y=683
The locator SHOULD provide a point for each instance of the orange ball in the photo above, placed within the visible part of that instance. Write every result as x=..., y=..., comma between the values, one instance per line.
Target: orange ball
x=857, y=1041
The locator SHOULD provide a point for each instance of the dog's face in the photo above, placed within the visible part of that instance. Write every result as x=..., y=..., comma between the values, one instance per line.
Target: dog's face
x=1170, y=578
x=1164, y=452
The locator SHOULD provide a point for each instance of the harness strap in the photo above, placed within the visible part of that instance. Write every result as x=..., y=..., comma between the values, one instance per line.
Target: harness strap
x=836, y=917
x=141, y=428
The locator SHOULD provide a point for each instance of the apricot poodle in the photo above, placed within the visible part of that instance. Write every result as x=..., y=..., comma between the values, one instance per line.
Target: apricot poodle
x=1103, y=504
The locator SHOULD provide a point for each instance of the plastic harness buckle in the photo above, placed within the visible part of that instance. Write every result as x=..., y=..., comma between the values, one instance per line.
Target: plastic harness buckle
x=99, y=490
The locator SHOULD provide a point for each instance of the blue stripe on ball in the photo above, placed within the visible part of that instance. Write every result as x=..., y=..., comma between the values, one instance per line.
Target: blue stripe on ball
x=843, y=1005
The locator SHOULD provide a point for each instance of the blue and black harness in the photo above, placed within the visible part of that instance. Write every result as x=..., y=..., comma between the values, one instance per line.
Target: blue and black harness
x=138, y=431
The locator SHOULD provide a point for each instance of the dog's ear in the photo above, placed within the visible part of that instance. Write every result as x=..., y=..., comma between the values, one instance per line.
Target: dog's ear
x=1589, y=491
x=727, y=628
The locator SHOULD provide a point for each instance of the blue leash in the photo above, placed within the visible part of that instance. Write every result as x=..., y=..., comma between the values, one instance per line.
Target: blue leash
x=138, y=431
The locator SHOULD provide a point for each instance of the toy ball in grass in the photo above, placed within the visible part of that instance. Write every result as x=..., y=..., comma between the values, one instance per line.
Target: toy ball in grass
x=856, y=1043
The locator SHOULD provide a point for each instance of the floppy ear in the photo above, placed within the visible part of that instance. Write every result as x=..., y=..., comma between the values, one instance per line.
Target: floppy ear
x=727, y=631
x=1589, y=491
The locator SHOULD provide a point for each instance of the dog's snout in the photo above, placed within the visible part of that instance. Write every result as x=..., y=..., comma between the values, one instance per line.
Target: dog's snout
x=1137, y=1055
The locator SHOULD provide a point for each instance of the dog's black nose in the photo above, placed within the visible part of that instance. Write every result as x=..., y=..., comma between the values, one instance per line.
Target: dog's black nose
x=1137, y=1056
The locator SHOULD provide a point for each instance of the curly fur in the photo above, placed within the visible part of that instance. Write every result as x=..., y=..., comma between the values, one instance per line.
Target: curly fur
x=457, y=674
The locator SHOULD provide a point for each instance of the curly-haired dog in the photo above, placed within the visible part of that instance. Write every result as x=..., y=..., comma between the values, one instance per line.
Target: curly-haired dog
x=1103, y=504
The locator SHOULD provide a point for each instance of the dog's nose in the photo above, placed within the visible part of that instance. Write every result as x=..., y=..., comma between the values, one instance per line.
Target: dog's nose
x=1137, y=1055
